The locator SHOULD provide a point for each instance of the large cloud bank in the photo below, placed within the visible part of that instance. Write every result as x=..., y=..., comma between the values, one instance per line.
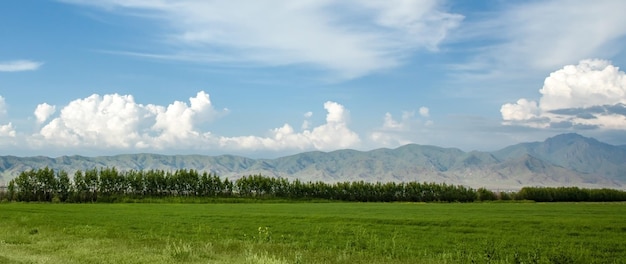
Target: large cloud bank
x=323, y=34
x=118, y=122
x=589, y=95
x=115, y=120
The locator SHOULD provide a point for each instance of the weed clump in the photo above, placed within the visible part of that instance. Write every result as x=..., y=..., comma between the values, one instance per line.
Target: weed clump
x=180, y=251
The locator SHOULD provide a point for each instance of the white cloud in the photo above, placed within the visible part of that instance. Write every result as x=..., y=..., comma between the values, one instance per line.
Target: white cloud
x=544, y=35
x=7, y=130
x=43, y=112
x=334, y=134
x=400, y=132
x=348, y=38
x=19, y=65
x=590, y=83
x=117, y=122
x=591, y=94
x=178, y=121
x=520, y=111
x=390, y=123
x=424, y=111
x=306, y=123
x=111, y=120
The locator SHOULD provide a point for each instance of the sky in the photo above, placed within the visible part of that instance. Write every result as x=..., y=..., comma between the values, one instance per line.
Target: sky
x=274, y=78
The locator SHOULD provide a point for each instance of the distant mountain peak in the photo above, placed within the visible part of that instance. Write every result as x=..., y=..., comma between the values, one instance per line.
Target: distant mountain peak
x=569, y=137
x=572, y=141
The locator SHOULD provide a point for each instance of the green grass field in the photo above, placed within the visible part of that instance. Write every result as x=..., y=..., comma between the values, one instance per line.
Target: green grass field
x=313, y=233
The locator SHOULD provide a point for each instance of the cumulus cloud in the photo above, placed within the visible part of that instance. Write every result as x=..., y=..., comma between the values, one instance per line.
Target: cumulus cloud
x=424, y=111
x=391, y=124
x=178, y=121
x=19, y=65
x=118, y=122
x=334, y=134
x=591, y=94
x=348, y=38
x=306, y=123
x=544, y=35
x=7, y=130
x=43, y=112
x=521, y=110
x=400, y=132
x=111, y=120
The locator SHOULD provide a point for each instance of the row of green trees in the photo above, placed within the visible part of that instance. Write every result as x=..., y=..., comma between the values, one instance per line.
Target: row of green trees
x=570, y=194
x=110, y=185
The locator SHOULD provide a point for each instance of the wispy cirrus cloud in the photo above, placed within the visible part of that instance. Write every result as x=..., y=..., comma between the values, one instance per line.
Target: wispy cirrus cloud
x=3, y=106
x=349, y=39
x=19, y=65
x=543, y=35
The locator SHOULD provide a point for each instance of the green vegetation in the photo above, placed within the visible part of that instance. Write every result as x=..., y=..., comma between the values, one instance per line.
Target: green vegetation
x=110, y=185
x=313, y=233
x=106, y=216
x=570, y=194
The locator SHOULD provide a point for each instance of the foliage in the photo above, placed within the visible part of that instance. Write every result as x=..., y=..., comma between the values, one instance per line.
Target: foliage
x=111, y=185
x=486, y=195
x=570, y=194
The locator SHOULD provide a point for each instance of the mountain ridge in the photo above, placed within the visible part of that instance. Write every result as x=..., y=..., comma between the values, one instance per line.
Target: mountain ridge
x=562, y=160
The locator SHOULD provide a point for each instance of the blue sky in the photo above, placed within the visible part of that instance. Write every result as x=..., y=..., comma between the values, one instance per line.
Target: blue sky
x=272, y=78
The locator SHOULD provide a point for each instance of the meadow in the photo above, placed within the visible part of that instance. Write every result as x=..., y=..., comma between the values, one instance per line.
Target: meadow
x=323, y=232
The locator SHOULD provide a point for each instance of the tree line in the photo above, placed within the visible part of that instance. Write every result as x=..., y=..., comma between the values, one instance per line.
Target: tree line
x=570, y=194
x=111, y=185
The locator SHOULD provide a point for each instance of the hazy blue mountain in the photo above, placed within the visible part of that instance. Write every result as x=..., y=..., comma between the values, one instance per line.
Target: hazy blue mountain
x=583, y=155
x=475, y=159
x=563, y=160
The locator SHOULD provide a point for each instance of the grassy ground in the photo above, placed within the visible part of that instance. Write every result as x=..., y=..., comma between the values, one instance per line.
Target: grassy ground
x=313, y=233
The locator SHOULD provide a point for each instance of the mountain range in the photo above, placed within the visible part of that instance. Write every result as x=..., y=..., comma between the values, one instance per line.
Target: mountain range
x=562, y=160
